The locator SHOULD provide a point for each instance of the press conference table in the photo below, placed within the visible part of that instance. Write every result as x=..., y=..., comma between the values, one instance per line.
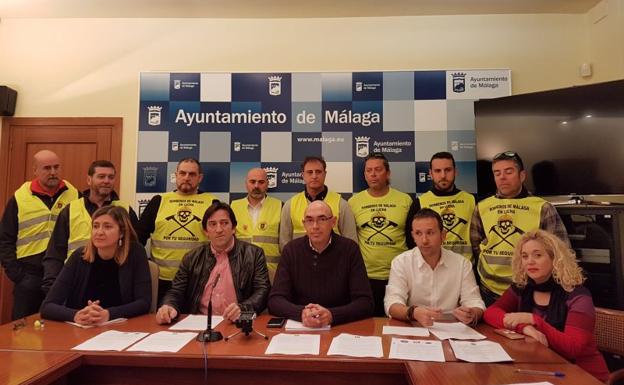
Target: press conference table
x=43, y=356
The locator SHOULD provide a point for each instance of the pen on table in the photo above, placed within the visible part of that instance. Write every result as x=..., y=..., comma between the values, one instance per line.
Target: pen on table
x=541, y=372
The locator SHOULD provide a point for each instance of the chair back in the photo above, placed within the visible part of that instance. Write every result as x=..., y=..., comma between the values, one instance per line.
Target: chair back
x=154, y=272
x=616, y=378
x=609, y=330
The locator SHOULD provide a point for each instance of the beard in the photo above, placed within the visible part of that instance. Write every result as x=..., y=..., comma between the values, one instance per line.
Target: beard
x=186, y=188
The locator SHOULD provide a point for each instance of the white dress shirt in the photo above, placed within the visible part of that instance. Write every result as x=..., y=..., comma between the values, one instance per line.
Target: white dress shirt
x=254, y=211
x=413, y=282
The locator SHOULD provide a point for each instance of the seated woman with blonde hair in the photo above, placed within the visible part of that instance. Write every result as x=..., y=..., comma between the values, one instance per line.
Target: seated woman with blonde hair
x=548, y=302
x=108, y=278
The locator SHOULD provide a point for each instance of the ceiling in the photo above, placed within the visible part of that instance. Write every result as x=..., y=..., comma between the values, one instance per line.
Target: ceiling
x=279, y=8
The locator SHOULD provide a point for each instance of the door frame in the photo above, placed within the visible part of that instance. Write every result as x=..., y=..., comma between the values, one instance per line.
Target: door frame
x=7, y=127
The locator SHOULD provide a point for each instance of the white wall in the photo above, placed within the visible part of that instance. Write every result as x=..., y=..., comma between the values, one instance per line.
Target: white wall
x=90, y=67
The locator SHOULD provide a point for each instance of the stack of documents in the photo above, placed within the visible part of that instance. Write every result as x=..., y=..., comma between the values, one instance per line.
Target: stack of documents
x=163, y=342
x=420, y=350
x=356, y=346
x=480, y=351
x=196, y=322
x=406, y=331
x=294, y=344
x=110, y=340
x=292, y=325
x=455, y=330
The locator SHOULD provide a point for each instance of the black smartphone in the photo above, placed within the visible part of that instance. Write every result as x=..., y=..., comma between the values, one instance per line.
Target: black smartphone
x=276, y=322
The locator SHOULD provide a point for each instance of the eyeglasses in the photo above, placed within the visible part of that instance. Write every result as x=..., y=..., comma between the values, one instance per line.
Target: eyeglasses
x=19, y=324
x=313, y=221
x=509, y=155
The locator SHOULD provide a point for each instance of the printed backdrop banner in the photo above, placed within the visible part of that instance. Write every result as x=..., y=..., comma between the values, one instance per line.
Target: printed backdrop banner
x=232, y=122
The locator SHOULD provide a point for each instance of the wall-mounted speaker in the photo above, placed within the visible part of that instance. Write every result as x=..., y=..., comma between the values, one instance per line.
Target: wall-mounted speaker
x=8, y=97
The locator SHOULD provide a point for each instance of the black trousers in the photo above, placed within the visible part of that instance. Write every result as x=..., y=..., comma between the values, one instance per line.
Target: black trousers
x=378, y=286
x=27, y=296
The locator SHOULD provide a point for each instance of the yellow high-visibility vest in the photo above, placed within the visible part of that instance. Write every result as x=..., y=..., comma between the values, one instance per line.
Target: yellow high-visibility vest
x=456, y=212
x=265, y=233
x=178, y=229
x=298, y=205
x=36, y=220
x=504, y=222
x=381, y=229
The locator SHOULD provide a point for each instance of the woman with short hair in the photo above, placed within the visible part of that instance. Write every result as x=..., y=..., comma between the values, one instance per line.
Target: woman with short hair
x=108, y=278
x=548, y=301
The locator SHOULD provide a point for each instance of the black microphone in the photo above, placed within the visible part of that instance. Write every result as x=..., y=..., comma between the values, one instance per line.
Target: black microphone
x=210, y=335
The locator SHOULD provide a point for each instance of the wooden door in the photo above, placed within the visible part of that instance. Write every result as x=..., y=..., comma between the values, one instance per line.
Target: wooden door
x=77, y=142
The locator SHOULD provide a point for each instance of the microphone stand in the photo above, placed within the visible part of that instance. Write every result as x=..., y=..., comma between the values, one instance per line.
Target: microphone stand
x=210, y=335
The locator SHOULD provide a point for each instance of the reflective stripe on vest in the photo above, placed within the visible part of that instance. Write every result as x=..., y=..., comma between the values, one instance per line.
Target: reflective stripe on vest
x=80, y=224
x=178, y=229
x=299, y=203
x=504, y=222
x=456, y=212
x=35, y=220
x=266, y=231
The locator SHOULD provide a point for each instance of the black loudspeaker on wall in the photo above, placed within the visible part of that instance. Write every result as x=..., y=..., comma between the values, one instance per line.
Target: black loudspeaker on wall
x=8, y=97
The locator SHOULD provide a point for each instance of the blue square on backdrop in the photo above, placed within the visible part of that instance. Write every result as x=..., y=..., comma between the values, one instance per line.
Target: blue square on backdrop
x=153, y=116
x=151, y=177
x=238, y=176
x=337, y=87
x=154, y=86
x=396, y=146
x=368, y=109
x=331, y=116
x=367, y=86
x=214, y=113
x=306, y=144
x=429, y=85
x=423, y=180
x=184, y=86
x=261, y=87
x=183, y=143
x=245, y=146
x=280, y=113
x=284, y=176
x=247, y=108
x=216, y=177
x=359, y=182
x=186, y=112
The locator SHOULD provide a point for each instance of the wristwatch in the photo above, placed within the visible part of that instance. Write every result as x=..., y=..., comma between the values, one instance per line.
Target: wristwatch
x=410, y=313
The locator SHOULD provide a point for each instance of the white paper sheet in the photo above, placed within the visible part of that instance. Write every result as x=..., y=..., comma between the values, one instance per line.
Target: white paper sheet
x=110, y=340
x=109, y=322
x=356, y=346
x=292, y=325
x=479, y=351
x=421, y=350
x=406, y=331
x=454, y=330
x=163, y=342
x=196, y=322
x=294, y=344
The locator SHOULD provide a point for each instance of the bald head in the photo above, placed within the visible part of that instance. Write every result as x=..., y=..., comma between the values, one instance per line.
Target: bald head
x=320, y=208
x=47, y=169
x=256, y=184
x=318, y=222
